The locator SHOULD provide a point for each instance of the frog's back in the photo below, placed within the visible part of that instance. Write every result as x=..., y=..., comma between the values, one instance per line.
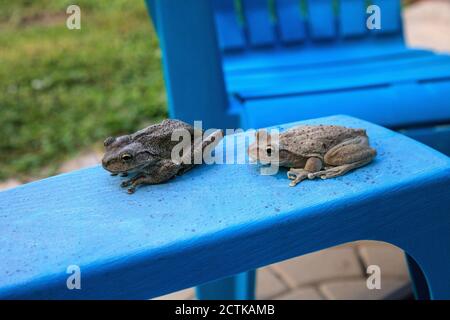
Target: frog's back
x=158, y=137
x=316, y=139
x=163, y=129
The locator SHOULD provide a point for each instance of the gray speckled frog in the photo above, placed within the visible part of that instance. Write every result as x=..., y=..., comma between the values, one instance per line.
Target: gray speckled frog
x=147, y=153
x=312, y=151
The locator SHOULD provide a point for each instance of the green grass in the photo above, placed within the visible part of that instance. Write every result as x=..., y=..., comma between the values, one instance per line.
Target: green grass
x=63, y=90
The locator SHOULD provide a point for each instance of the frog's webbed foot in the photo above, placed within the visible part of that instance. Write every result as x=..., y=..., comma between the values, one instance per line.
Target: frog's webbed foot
x=338, y=171
x=297, y=176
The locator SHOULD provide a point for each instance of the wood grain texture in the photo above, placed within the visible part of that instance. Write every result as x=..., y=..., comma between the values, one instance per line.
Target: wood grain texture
x=218, y=220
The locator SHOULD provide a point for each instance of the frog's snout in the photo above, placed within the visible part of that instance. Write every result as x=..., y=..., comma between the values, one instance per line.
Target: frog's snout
x=108, y=165
x=104, y=163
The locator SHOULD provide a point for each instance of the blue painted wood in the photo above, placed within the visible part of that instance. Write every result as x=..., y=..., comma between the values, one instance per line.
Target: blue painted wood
x=262, y=74
x=325, y=53
x=258, y=22
x=239, y=287
x=352, y=18
x=418, y=280
x=321, y=19
x=192, y=230
x=290, y=21
x=380, y=104
x=302, y=79
x=406, y=92
x=192, y=66
x=437, y=137
x=229, y=30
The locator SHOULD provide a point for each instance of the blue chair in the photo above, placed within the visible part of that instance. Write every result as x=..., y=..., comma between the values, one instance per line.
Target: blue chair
x=256, y=63
x=191, y=230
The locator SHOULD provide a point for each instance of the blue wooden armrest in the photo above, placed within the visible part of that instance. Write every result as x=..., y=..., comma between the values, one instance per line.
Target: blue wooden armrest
x=219, y=220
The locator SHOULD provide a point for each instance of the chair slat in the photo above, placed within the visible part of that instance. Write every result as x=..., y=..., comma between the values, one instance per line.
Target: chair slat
x=391, y=22
x=230, y=32
x=352, y=18
x=290, y=21
x=258, y=21
x=321, y=19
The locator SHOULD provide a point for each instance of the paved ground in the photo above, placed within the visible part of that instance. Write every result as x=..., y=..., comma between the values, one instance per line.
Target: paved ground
x=335, y=273
x=339, y=272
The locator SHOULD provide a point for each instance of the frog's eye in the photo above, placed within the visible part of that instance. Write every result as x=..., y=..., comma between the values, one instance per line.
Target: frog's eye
x=127, y=157
x=269, y=150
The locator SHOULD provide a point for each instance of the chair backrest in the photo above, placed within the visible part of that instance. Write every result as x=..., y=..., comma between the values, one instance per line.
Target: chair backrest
x=192, y=34
x=253, y=24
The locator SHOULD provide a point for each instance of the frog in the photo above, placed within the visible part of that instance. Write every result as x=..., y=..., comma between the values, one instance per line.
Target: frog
x=312, y=151
x=147, y=153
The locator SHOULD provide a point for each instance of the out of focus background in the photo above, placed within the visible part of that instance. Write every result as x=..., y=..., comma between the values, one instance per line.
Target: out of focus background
x=63, y=91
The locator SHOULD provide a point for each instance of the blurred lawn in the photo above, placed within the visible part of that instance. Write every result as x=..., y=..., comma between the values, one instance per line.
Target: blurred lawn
x=63, y=90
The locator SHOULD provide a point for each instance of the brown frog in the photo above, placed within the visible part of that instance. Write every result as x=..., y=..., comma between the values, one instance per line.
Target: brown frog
x=148, y=153
x=311, y=151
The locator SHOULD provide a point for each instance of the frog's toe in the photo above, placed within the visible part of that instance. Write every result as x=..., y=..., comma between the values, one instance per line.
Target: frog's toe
x=131, y=190
x=296, y=181
x=124, y=174
x=291, y=175
x=125, y=183
x=114, y=174
x=312, y=176
x=297, y=178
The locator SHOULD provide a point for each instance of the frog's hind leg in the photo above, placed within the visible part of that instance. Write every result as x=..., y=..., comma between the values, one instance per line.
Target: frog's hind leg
x=338, y=171
x=348, y=155
x=297, y=175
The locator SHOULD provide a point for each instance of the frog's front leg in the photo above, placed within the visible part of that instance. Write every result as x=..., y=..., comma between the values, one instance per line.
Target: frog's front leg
x=129, y=182
x=165, y=171
x=346, y=156
x=297, y=175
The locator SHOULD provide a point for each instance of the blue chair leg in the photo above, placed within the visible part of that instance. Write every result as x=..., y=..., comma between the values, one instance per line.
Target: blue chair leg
x=430, y=251
x=419, y=283
x=238, y=287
